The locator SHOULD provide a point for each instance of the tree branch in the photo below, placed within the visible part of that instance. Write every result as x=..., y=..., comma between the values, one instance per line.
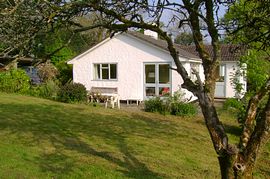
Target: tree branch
x=260, y=135
x=251, y=114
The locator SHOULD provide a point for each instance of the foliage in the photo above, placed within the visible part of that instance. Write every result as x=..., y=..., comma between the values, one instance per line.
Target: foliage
x=183, y=109
x=72, y=92
x=47, y=71
x=48, y=90
x=236, y=107
x=155, y=104
x=178, y=97
x=248, y=23
x=257, y=69
x=233, y=103
x=54, y=46
x=184, y=38
x=175, y=105
x=65, y=72
x=14, y=81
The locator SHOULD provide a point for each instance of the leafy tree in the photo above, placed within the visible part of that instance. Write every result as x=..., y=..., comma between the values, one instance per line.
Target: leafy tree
x=184, y=39
x=249, y=23
x=257, y=70
x=54, y=46
x=118, y=16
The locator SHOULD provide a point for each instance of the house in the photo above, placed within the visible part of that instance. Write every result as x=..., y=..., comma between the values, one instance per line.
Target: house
x=138, y=65
x=230, y=55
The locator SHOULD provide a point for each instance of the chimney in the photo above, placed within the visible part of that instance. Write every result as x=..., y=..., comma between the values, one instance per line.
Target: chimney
x=151, y=34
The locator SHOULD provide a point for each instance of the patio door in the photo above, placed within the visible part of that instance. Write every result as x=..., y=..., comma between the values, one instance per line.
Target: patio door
x=157, y=79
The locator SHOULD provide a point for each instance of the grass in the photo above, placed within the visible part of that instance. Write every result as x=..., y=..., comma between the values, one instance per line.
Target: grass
x=46, y=139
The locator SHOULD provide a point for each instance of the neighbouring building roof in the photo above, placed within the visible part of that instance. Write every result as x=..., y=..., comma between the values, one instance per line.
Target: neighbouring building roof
x=228, y=52
x=20, y=61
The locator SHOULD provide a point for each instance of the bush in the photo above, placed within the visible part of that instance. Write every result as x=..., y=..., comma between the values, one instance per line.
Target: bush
x=65, y=72
x=175, y=105
x=72, y=92
x=241, y=110
x=48, y=90
x=47, y=71
x=14, y=81
x=236, y=107
x=232, y=103
x=183, y=109
x=155, y=105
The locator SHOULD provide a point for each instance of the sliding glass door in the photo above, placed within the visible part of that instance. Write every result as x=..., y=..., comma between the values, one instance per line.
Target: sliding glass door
x=157, y=79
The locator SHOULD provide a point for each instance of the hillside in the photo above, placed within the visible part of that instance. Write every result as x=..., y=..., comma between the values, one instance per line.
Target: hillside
x=46, y=139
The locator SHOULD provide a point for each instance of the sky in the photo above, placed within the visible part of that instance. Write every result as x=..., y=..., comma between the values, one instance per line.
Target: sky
x=167, y=15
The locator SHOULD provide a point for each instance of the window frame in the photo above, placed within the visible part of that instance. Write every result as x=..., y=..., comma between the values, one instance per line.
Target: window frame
x=101, y=68
x=157, y=85
x=221, y=73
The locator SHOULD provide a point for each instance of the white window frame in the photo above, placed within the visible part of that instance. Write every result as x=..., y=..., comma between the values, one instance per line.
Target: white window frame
x=104, y=68
x=156, y=84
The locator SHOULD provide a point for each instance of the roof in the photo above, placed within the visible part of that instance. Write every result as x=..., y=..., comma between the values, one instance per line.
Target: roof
x=229, y=52
x=158, y=43
x=21, y=60
x=162, y=44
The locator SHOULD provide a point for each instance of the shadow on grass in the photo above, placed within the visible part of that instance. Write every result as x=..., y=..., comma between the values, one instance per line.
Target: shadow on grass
x=63, y=129
x=234, y=130
x=231, y=129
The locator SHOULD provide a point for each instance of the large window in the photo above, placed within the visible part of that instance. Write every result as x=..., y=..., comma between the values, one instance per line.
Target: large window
x=105, y=71
x=157, y=79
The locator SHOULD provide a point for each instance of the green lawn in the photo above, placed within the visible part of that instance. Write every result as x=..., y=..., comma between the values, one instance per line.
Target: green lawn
x=46, y=139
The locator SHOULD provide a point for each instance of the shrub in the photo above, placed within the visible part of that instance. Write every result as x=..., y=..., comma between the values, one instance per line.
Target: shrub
x=72, y=92
x=237, y=107
x=155, y=105
x=65, y=72
x=175, y=105
x=14, y=81
x=48, y=90
x=241, y=111
x=183, y=109
x=232, y=103
x=47, y=71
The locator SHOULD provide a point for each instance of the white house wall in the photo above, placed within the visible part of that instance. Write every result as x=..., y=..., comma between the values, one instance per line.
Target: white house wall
x=130, y=54
x=231, y=68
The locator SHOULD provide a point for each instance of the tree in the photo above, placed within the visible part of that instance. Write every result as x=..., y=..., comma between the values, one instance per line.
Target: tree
x=39, y=29
x=249, y=23
x=118, y=16
x=184, y=38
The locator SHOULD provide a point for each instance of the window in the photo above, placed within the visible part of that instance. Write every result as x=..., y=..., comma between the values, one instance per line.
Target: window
x=105, y=71
x=157, y=79
x=221, y=73
x=196, y=67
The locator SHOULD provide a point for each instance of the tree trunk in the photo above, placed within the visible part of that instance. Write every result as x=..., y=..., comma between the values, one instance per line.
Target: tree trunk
x=233, y=166
x=226, y=170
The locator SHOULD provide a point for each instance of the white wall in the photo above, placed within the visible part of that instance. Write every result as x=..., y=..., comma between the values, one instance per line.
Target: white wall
x=231, y=68
x=130, y=54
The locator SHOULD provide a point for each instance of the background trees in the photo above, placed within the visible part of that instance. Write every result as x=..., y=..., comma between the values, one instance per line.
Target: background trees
x=184, y=38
